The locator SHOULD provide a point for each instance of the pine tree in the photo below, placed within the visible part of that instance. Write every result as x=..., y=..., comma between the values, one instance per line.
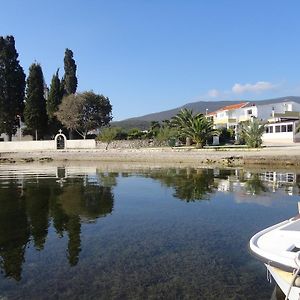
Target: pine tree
x=12, y=87
x=53, y=101
x=35, y=106
x=70, y=79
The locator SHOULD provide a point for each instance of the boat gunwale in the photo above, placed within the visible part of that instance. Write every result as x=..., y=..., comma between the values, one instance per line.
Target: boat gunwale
x=258, y=252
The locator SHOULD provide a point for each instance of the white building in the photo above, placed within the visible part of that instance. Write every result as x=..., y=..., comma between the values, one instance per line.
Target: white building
x=282, y=119
x=266, y=111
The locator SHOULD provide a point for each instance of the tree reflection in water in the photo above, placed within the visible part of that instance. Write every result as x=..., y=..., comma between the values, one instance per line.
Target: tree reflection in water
x=188, y=184
x=14, y=230
x=255, y=186
x=27, y=210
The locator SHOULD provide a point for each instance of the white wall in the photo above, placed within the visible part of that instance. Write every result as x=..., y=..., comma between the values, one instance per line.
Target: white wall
x=287, y=137
x=278, y=138
x=242, y=114
x=27, y=146
x=45, y=145
x=265, y=111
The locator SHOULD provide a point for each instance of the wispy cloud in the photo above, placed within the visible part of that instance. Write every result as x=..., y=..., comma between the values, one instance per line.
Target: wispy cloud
x=258, y=87
x=239, y=89
x=213, y=93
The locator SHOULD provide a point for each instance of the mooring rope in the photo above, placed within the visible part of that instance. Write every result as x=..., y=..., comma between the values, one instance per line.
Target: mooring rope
x=297, y=261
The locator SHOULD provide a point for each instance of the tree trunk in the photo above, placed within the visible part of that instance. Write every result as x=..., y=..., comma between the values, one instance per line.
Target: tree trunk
x=199, y=145
x=188, y=141
x=36, y=135
x=9, y=137
x=70, y=134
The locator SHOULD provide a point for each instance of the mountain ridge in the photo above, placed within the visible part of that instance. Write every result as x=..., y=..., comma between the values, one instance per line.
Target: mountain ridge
x=142, y=122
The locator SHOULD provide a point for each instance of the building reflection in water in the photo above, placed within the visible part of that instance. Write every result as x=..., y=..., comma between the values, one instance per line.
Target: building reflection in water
x=258, y=183
x=28, y=205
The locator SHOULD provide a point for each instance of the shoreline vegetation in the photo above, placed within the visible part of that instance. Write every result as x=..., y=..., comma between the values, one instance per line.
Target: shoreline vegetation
x=279, y=156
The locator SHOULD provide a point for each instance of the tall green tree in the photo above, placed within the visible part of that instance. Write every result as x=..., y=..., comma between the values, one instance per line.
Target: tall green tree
x=35, y=105
x=12, y=87
x=53, y=101
x=108, y=134
x=70, y=79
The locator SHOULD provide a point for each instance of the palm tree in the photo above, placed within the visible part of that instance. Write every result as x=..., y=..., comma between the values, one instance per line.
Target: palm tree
x=196, y=127
x=252, y=133
x=154, y=128
x=199, y=129
x=182, y=121
x=183, y=118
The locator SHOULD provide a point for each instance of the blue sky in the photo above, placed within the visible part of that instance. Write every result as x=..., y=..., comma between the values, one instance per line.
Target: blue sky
x=153, y=55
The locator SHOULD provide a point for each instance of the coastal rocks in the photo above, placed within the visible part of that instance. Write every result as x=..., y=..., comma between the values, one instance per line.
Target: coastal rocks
x=271, y=161
x=4, y=160
x=232, y=161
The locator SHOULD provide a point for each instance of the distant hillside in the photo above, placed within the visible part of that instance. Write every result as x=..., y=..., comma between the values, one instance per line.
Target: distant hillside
x=143, y=122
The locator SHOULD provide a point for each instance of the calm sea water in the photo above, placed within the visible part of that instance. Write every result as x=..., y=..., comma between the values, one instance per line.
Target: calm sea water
x=80, y=233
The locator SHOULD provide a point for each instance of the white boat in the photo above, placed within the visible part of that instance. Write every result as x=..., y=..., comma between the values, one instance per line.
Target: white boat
x=278, y=247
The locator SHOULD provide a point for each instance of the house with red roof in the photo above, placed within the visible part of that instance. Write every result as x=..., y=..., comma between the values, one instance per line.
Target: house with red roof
x=226, y=116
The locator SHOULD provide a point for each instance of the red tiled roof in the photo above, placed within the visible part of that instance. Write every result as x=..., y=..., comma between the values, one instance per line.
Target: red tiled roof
x=229, y=107
x=234, y=106
x=212, y=113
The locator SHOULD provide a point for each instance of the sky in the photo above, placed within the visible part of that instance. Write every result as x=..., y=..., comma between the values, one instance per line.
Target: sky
x=154, y=55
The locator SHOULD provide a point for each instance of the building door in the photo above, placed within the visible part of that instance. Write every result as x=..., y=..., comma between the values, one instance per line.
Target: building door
x=60, y=142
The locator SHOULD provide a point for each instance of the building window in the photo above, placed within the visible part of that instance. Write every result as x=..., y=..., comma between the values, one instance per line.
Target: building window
x=267, y=129
x=249, y=111
x=277, y=128
x=290, y=128
x=270, y=129
x=283, y=128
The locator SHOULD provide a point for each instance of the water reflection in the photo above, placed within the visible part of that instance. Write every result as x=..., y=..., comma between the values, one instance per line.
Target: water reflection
x=14, y=230
x=65, y=198
x=27, y=207
x=188, y=184
x=199, y=184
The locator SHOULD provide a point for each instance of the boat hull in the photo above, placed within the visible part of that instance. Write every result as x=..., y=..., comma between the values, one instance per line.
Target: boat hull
x=283, y=279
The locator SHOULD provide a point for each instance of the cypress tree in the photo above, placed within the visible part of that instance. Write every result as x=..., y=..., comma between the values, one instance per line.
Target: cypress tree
x=53, y=101
x=35, y=105
x=12, y=87
x=70, y=79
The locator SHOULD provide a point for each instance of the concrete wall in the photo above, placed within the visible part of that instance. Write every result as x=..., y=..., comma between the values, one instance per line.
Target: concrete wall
x=45, y=145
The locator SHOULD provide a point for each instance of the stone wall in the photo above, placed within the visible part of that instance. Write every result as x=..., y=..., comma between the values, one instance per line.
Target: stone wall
x=80, y=144
x=130, y=144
